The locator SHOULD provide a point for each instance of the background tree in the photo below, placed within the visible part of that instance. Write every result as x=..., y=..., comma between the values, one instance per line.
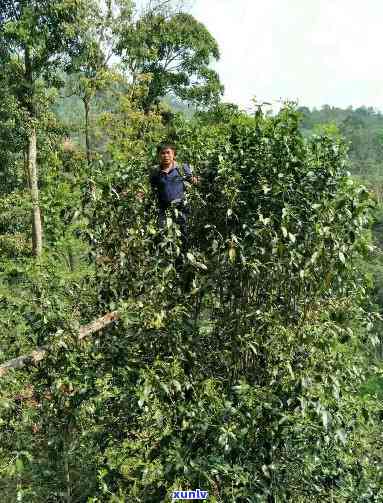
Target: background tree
x=175, y=52
x=38, y=37
x=91, y=72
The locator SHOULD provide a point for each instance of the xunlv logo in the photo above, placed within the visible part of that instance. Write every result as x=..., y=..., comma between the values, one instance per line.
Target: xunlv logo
x=190, y=495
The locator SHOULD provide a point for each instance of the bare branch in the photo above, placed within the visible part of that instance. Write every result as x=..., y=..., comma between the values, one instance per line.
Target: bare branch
x=39, y=353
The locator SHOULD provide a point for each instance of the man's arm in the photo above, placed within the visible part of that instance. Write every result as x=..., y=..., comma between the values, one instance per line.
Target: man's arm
x=189, y=177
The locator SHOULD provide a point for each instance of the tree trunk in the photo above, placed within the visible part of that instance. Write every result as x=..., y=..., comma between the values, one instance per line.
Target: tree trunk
x=37, y=230
x=72, y=259
x=86, y=101
x=87, y=139
x=66, y=446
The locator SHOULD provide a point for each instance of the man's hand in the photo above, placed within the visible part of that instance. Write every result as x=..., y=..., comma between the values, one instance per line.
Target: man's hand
x=195, y=180
x=140, y=195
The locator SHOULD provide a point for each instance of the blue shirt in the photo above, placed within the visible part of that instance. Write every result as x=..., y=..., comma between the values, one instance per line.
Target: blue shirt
x=170, y=186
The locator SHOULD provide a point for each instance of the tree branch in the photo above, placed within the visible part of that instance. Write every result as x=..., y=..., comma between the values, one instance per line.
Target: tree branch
x=176, y=55
x=39, y=353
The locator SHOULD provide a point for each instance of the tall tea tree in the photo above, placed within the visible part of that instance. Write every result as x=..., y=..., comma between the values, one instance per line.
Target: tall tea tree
x=36, y=38
x=175, y=51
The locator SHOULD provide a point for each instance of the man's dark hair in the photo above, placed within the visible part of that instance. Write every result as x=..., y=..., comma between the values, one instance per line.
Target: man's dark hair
x=164, y=146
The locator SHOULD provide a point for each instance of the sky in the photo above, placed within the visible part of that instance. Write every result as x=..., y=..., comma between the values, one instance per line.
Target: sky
x=310, y=51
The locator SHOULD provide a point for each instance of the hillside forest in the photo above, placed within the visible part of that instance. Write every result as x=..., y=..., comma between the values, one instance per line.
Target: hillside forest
x=133, y=368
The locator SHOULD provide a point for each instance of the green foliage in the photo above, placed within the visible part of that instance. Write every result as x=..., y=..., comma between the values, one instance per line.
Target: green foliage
x=47, y=27
x=362, y=129
x=244, y=367
x=175, y=52
x=12, y=138
x=246, y=385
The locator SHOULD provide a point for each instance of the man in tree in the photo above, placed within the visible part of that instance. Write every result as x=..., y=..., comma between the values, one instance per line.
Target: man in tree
x=168, y=183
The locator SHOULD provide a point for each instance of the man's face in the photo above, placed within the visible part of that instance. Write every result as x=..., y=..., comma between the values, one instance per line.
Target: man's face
x=167, y=157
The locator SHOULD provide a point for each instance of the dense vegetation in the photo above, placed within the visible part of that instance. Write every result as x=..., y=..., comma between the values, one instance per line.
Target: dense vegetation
x=362, y=129
x=250, y=367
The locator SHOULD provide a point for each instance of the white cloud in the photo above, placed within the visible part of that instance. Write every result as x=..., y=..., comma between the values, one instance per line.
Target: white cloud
x=316, y=52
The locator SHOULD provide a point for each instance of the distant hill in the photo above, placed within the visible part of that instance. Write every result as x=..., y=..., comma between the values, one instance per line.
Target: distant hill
x=362, y=127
